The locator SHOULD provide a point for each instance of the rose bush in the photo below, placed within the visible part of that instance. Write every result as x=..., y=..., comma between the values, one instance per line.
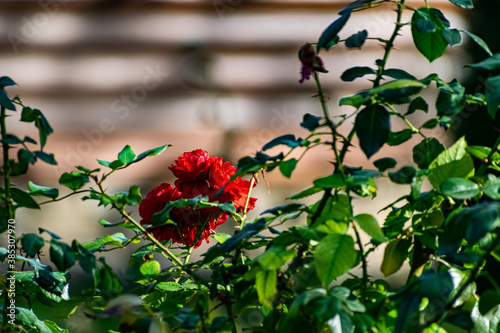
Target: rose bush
x=197, y=175
x=296, y=267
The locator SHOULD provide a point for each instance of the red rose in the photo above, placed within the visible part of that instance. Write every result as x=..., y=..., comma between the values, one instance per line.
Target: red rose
x=197, y=174
x=191, y=167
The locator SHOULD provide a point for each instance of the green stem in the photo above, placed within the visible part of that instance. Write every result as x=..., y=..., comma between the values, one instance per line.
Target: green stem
x=247, y=201
x=362, y=254
x=64, y=197
x=484, y=166
x=190, y=249
x=329, y=122
x=390, y=43
x=6, y=165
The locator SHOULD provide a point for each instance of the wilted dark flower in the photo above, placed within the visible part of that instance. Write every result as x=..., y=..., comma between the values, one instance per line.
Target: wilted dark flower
x=310, y=62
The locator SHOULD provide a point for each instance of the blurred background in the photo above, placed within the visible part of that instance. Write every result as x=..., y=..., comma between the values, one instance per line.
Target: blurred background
x=220, y=75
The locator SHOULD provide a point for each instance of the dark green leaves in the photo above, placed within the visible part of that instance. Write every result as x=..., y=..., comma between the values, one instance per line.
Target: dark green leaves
x=492, y=63
x=479, y=41
x=61, y=254
x=287, y=167
x=127, y=157
x=32, y=244
x=372, y=127
x=467, y=4
x=30, y=115
x=395, y=255
x=357, y=40
x=426, y=151
x=5, y=101
x=404, y=175
x=287, y=140
x=6, y=81
x=385, y=163
x=493, y=95
x=355, y=72
x=334, y=256
x=451, y=99
x=329, y=37
x=310, y=122
x=427, y=26
x=23, y=199
x=44, y=191
x=73, y=180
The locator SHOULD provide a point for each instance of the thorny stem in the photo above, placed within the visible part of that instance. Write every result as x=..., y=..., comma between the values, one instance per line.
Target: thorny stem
x=6, y=166
x=329, y=122
x=390, y=43
x=245, y=208
x=362, y=254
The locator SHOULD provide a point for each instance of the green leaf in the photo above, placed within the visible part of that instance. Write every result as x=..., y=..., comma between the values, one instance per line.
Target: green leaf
x=493, y=95
x=479, y=41
x=287, y=139
x=23, y=199
x=453, y=162
x=53, y=235
x=151, y=152
x=357, y=40
x=6, y=81
x=46, y=157
x=266, y=284
x=385, y=163
x=32, y=244
x=332, y=181
x=150, y=268
x=430, y=43
x=418, y=103
x=334, y=256
x=310, y=122
x=395, y=254
x=61, y=254
x=74, y=180
x=467, y=4
x=397, y=138
x=426, y=151
x=431, y=123
x=5, y=101
x=221, y=237
x=86, y=259
x=459, y=188
x=287, y=167
x=353, y=73
x=491, y=64
x=404, y=175
x=168, y=286
x=370, y=225
x=44, y=191
x=398, y=74
x=306, y=193
x=30, y=115
x=408, y=319
x=356, y=100
x=482, y=219
x=452, y=36
x=134, y=194
x=25, y=317
x=372, y=127
x=115, y=239
x=331, y=33
x=127, y=155
x=451, y=99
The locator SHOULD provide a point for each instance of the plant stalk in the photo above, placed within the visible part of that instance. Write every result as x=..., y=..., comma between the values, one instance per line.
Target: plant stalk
x=6, y=165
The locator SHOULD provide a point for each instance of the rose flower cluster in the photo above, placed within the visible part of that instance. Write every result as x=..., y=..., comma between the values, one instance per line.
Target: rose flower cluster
x=197, y=174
